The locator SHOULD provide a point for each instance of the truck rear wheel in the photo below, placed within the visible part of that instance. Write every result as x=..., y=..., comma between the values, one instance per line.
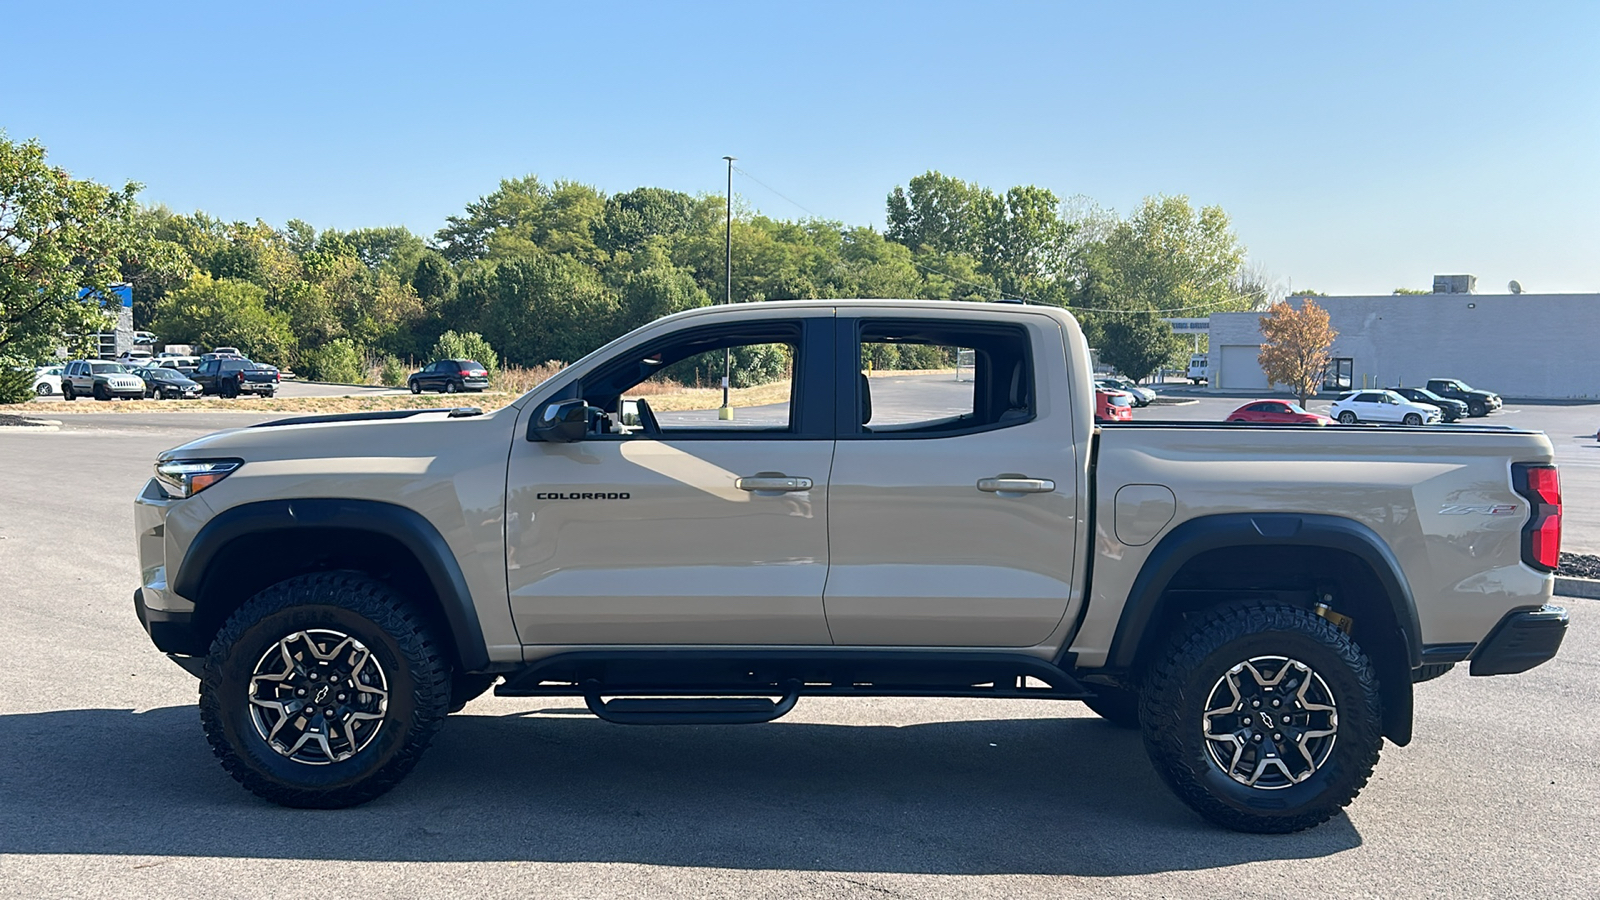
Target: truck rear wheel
x=323, y=690
x=1263, y=719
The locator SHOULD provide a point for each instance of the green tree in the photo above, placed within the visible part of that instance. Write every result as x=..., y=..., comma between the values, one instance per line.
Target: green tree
x=213, y=313
x=1170, y=256
x=540, y=307
x=631, y=220
x=471, y=345
x=656, y=292
x=1137, y=343
x=58, y=235
x=338, y=361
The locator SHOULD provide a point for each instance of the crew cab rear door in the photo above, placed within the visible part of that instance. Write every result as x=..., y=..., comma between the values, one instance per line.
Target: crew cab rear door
x=685, y=525
x=953, y=502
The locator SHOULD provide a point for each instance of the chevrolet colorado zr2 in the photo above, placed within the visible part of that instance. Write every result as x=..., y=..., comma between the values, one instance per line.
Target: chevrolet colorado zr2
x=1257, y=600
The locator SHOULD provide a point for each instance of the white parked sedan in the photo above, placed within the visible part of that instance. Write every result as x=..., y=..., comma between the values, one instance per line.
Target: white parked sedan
x=47, y=380
x=1382, y=406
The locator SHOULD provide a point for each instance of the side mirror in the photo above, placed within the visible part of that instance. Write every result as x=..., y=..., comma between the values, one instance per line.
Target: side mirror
x=561, y=422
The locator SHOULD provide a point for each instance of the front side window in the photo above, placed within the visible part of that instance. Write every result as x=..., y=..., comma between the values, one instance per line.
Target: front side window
x=674, y=387
x=908, y=383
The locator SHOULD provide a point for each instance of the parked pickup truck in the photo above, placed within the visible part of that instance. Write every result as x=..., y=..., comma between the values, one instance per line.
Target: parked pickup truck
x=232, y=376
x=1258, y=600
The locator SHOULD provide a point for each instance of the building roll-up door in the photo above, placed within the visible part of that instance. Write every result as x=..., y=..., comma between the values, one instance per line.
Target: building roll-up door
x=1240, y=370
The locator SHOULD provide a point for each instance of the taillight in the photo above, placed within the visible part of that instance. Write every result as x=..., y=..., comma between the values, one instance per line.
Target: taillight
x=1541, y=537
x=467, y=373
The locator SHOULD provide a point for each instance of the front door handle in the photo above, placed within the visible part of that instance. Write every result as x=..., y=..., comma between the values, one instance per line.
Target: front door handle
x=1016, y=484
x=772, y=482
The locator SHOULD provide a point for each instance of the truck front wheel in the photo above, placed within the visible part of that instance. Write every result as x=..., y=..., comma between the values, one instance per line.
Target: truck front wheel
x=323, y=690
x=1263, y=719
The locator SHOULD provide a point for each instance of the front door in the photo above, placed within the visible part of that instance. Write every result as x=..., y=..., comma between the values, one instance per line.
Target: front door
x=953, y=505
x=674, y=521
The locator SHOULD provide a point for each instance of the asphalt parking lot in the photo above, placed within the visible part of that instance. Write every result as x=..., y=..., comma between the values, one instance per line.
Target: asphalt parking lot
x=107, y=787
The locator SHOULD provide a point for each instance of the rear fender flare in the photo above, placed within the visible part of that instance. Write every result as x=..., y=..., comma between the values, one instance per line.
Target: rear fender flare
x=1197, y=536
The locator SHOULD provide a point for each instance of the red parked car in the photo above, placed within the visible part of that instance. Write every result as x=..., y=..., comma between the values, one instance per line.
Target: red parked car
x=1277, y=412
x=1112, y=406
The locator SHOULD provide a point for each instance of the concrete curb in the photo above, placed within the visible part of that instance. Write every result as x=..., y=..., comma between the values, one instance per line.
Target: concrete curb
x=1587, y=588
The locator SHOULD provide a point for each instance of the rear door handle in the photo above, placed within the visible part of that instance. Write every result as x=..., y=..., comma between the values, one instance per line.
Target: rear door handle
x=1016, y=484
x=772, y=482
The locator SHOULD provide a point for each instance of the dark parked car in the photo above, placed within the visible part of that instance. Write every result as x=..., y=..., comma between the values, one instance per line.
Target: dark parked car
x=232, y=377
x=1452, y=409
x=168, y=384
x=1479, y=403
x=450, y=376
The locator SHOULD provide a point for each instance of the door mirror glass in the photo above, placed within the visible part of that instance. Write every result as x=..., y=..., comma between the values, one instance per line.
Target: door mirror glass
x=561, y=422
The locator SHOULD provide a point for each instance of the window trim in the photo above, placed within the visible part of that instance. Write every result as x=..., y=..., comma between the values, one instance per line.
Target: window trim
x=848, y=369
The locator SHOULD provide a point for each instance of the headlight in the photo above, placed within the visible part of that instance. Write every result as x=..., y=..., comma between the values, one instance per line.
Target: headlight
x=182, y=478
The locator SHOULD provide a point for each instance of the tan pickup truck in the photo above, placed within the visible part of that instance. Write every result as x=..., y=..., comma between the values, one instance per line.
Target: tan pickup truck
x=1258, y=599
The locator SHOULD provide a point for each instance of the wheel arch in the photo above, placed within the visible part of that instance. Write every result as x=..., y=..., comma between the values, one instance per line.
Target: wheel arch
x=1287, y=558
x=254, y=545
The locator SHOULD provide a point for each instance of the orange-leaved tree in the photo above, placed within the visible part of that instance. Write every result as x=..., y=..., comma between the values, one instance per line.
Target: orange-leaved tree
x=1294, y=346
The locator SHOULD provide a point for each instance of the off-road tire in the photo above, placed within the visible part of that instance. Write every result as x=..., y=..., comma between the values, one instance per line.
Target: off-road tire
x=1181, y=683
x=1430, y=671
x=1118, y=706
x=101, y=392
x=66, y=391
x=466, y=687
x=411, y=659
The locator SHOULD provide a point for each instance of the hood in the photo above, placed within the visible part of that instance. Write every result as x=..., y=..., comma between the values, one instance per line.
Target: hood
x=371, y=435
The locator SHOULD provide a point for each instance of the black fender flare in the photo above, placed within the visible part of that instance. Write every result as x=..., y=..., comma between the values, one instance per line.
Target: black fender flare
x=1206, y=533
x=406, y=526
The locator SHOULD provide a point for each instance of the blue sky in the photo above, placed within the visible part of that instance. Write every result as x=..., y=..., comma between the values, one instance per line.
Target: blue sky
x=1357, y=147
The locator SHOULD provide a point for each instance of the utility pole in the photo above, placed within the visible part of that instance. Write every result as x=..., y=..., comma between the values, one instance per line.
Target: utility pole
x=726, y=412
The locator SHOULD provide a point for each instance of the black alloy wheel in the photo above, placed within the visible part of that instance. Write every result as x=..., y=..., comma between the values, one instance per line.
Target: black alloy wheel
x=323, y=690
x=1263, y=718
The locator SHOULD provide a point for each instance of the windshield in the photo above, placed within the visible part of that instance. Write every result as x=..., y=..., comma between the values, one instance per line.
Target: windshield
x=108, y=369
x=1297, y=408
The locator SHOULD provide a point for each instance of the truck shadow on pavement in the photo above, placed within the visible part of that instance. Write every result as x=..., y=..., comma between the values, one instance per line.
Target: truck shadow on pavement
x=1021, y=796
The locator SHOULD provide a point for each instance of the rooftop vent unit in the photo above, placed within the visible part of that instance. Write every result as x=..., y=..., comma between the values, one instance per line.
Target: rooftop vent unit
x=1455, y=284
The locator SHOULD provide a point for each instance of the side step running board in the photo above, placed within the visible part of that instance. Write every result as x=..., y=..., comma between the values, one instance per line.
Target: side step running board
x=689, y=710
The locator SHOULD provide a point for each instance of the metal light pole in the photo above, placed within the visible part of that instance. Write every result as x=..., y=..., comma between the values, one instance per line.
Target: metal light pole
x=726, y=412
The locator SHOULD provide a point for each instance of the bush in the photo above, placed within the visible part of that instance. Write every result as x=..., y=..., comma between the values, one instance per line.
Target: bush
x=392, y=371
x=16, y=384
x=337, y=361
x=454, y=345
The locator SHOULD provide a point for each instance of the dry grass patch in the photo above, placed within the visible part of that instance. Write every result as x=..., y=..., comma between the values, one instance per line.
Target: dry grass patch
x=488, y=400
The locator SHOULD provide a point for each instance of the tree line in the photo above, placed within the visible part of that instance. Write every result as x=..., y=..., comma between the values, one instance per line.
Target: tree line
x=549, y=270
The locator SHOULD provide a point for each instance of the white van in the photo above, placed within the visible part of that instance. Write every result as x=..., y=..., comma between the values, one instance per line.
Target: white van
x=1198, y=368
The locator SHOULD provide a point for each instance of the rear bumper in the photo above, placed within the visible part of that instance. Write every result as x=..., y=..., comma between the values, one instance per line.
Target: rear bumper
x=1523, y=639
x=171, y=632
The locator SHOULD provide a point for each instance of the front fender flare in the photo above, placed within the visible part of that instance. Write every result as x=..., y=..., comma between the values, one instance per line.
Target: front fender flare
x=406, y=526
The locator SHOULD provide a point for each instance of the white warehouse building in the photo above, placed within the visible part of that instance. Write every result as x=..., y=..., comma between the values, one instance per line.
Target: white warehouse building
x=1523, y=346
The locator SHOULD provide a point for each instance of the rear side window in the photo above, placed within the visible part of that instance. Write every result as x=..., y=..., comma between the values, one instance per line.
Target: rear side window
x=917, y=378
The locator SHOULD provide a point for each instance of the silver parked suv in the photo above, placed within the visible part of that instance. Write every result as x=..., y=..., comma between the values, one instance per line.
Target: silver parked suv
x=101, y=380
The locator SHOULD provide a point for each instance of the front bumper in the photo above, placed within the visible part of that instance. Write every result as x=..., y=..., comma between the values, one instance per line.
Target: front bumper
x=171, y=632
x=1524, y=638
